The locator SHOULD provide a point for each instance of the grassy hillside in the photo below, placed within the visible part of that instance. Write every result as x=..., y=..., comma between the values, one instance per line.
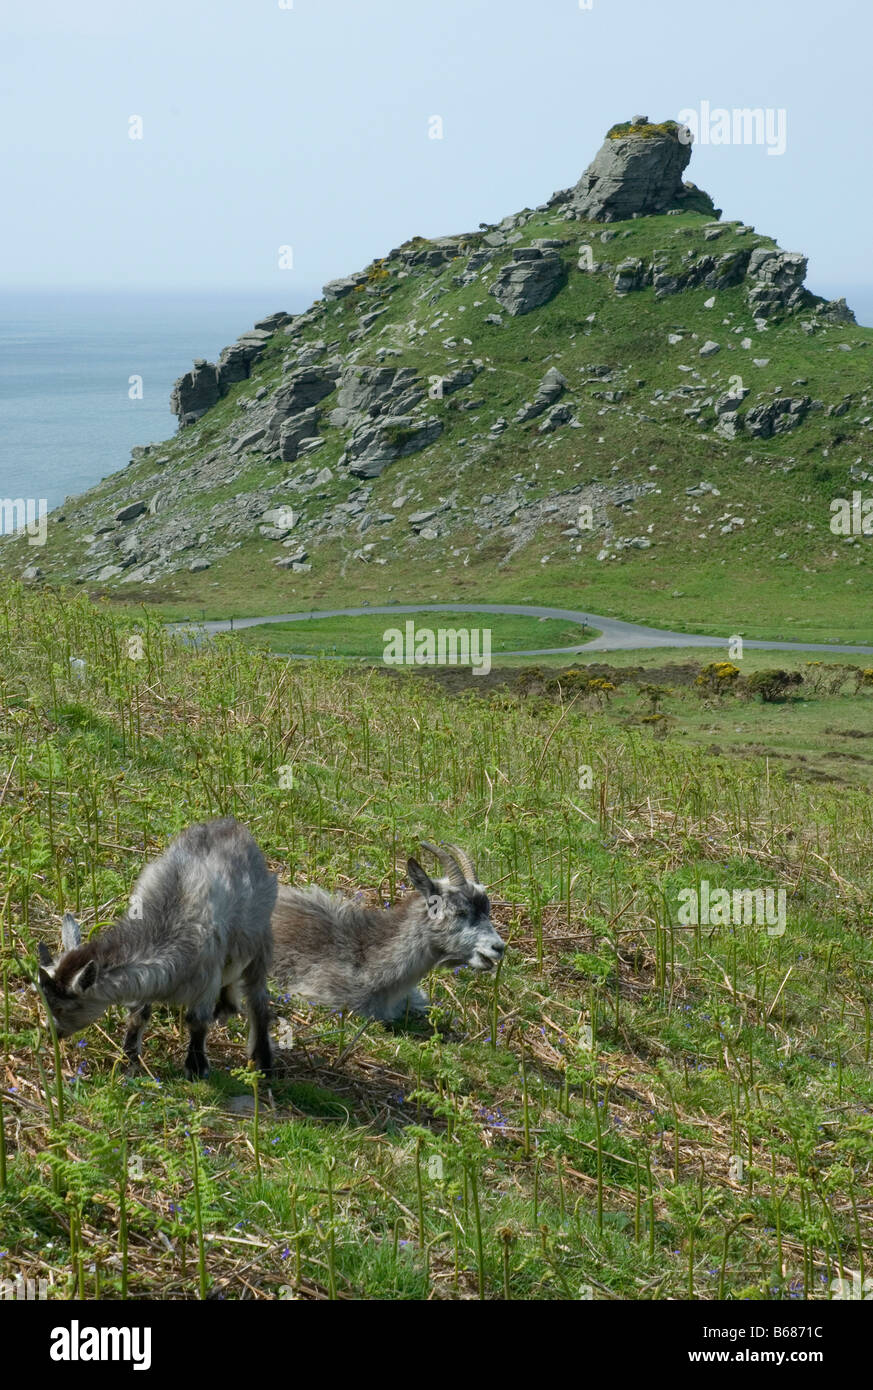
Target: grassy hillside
x=632, y=1109
x=756, y=557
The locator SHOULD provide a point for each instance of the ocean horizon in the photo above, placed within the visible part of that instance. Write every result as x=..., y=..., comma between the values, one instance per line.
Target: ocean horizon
x=66, y=359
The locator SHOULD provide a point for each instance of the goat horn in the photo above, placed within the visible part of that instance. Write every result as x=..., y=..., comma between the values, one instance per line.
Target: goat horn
x=466, y=863
x=450, y=864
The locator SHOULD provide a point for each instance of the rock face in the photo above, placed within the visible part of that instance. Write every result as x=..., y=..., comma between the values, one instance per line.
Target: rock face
x=777, y=282
x=372, y=390
x=235, y=362
x=304, y=388
x=638, y=169
x=373, y=446
x=783, y=414
x=530, y=279
x=294, y=430
x=195, y=392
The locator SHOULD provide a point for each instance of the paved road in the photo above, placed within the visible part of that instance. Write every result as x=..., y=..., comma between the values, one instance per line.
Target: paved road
x=614, y=635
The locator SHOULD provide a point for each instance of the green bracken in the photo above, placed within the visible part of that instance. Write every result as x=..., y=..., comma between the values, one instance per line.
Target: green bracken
x=635, y=1108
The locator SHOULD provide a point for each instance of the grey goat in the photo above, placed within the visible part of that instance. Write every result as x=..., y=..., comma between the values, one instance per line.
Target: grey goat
x=198, y=930
x=331, y=951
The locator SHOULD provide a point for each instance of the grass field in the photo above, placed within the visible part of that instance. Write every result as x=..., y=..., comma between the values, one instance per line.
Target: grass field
x=634, y=1108
x=364, y=637
x=821, y=730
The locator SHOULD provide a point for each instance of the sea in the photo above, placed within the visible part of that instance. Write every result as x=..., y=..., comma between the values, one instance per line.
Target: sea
x=69, y=412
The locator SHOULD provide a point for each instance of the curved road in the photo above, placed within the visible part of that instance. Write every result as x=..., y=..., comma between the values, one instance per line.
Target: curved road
x=614, y=635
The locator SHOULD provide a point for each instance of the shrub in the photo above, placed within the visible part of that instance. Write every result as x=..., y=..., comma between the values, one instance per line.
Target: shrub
x=863, y=678
x=654, y=694
x=718, y=677
x=649, y=130
x=772, y=685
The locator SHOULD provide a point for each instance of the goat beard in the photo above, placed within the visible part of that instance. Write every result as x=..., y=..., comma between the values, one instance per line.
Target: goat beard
x=481, y=967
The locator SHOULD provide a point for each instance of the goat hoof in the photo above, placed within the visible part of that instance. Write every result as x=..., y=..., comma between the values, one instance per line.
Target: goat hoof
x=133, y=1069
x=197, y=1072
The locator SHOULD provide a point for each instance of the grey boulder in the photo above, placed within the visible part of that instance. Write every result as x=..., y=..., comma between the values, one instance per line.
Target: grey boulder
x=530, y=279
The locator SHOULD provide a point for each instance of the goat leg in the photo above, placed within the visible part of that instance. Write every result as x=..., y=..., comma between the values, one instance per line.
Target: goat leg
x=196, y=1063
x=136, y=1022
x=257, y=1008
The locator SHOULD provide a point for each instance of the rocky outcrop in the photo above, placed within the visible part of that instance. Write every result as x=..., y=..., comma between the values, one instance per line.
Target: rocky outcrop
x=457, y=380
x=550, y=389
x=373, y=446
x=630, y=274
x=374, y=391
x=338, y=289
x=424, y=254
x=777, y=417
x=777, y=282
x=198, y=390
x=835, y=311
x=713, y=272
x=235, y=362
x=195, y=392
x=305, y=387
x=369, y=380
x=637, y=171
x=530, y=279
x=294, y=430
x=728, y=422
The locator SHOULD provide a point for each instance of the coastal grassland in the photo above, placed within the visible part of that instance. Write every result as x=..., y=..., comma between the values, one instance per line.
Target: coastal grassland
x=632, y=1109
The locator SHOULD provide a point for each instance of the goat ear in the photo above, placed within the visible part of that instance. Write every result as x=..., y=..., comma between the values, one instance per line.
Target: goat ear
x=45, y=980
x=419, y=879
x=71, y=932
x=45, y=955
x=85, y=978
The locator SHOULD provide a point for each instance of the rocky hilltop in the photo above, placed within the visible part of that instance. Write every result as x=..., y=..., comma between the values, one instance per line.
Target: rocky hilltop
x=637, y=171
x=544, y=391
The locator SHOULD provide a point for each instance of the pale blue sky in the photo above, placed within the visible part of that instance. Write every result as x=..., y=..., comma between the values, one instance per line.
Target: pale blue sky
x=308, y=126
